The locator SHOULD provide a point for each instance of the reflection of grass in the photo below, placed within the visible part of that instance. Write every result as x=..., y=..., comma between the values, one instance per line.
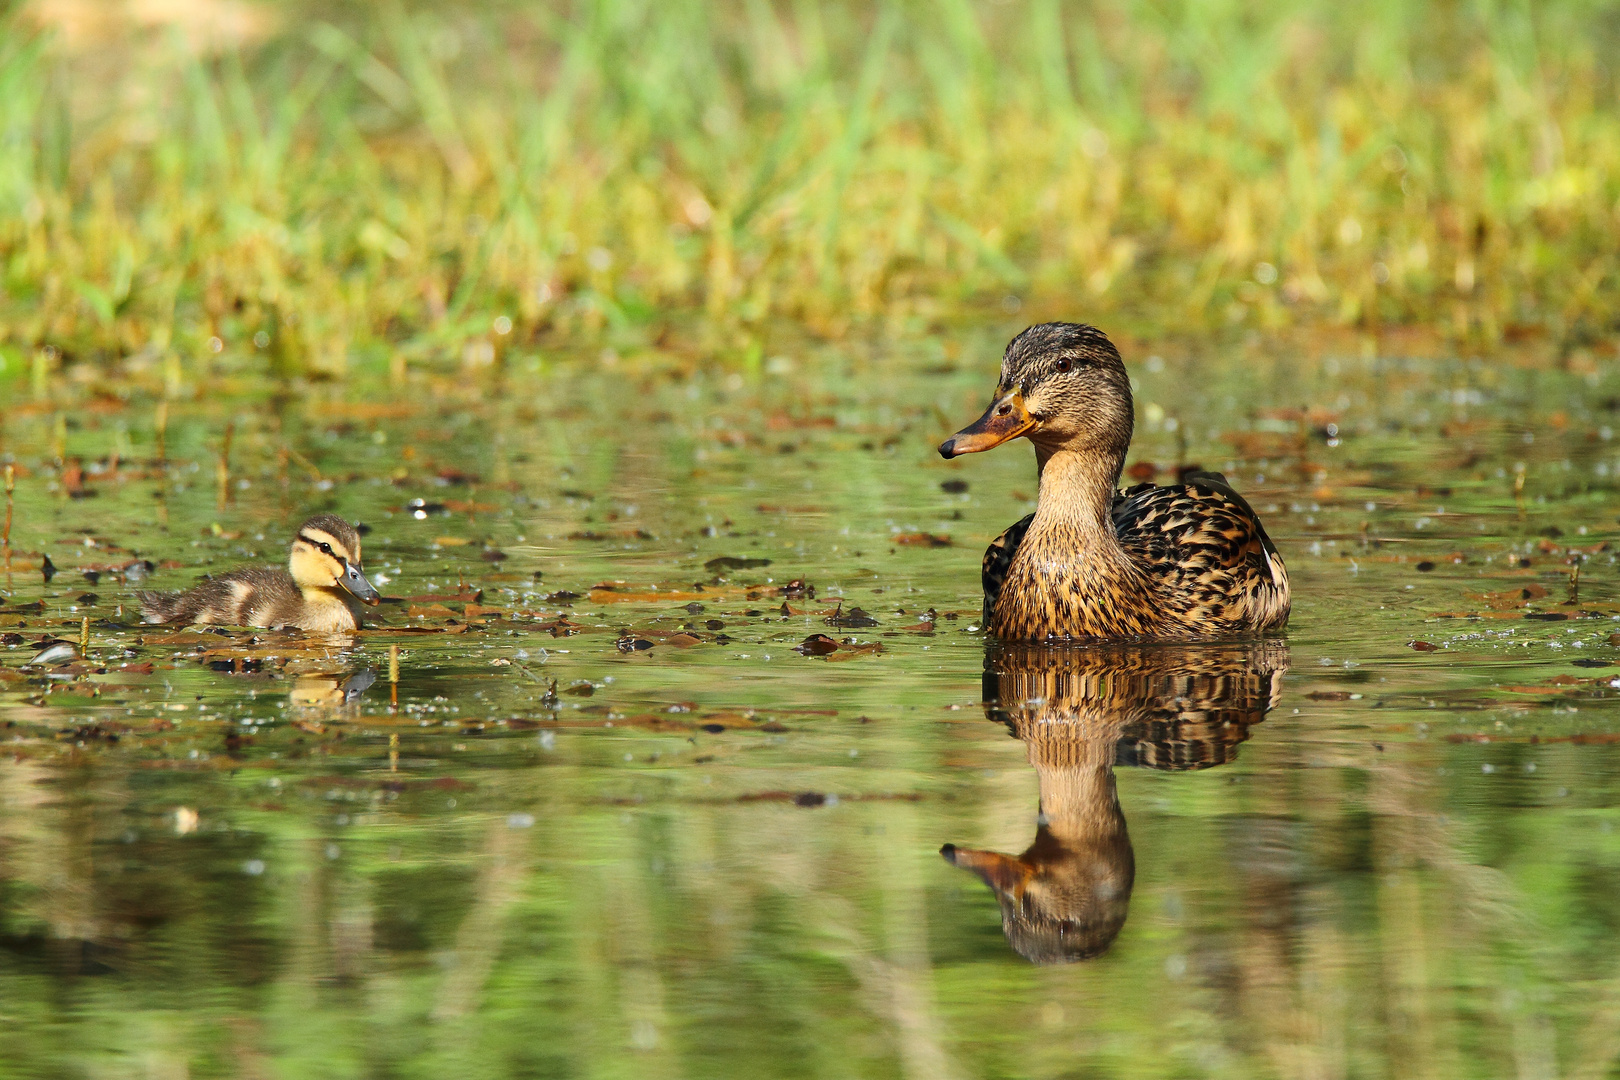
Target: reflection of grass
x=382, y=192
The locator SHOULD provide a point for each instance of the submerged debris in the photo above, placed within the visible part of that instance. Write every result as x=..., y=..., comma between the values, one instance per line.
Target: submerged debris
x=853, y=618
x=732, y=562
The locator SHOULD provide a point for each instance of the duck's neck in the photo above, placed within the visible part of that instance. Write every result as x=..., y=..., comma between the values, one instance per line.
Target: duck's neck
x=1079, y=801
x=1077, y=497
x=331, y=601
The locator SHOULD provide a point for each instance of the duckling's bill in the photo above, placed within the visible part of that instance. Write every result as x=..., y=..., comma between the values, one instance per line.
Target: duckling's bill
x=355, y=582
x=1006, y=418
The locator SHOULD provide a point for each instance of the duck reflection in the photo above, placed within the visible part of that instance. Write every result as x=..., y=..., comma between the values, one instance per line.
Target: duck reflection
x=1080, y=711
x=329, y=691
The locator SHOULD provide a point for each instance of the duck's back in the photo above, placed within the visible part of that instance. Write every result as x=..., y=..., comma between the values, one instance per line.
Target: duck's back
x=251, y=596
x=1209, y=559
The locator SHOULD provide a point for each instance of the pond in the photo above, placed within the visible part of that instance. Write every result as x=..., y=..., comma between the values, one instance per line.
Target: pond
x=576, y=805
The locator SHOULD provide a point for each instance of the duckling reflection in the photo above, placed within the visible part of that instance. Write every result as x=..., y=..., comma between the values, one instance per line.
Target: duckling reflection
x=1081, y=711
x=323, y=692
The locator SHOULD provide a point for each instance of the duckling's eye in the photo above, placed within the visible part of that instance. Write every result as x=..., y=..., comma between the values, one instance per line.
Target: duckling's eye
x=326, y=548
x=1064, y=364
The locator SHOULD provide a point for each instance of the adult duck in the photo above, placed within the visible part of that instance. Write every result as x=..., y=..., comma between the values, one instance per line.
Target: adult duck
x=1190, y=560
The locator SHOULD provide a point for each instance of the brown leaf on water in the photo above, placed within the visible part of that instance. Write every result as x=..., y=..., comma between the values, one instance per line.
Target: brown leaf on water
x=1423, y=646
x=600, y=595
x=429, y=611
x=921, y=539
x=1557, y=684
x=850, y=651
x=817, y=645
x=559, y=627
x=1511, y=598
x=683, y=641
x=479, y=611
x=725, y=720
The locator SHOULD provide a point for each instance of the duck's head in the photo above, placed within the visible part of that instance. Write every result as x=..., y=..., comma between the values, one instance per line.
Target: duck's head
x=326, y=553
x=1060, y=902
x=1063, y=387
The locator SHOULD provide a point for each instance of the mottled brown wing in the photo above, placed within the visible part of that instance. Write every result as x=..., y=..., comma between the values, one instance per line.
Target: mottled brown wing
x=997, y=558
x=1206, y=552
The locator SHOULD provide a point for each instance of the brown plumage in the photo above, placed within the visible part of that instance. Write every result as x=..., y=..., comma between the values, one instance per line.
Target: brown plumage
x=318, y=591
x=1186, y=561
x=1080, y=712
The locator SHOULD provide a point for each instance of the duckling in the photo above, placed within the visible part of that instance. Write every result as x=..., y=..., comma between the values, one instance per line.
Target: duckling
x=316, y=592
x=1190, y=560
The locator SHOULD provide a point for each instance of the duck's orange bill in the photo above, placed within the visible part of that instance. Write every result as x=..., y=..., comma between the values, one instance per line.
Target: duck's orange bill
x=1003, y=873
x=1006, y=418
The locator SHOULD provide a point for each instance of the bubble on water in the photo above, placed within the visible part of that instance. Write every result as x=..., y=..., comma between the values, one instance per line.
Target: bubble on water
x=253, y=867
x=519, y=821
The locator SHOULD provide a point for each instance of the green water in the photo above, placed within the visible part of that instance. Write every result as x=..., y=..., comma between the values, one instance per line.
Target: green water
x=559, y=854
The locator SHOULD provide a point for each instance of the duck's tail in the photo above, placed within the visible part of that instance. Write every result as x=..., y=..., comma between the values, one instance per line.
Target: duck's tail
x=160, y=607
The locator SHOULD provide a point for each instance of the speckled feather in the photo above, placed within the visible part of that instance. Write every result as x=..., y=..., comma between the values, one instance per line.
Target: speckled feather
x=252, y=596
x=1200, y=565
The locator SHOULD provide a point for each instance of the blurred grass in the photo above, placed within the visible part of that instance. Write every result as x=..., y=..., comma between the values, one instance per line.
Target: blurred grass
x=325, y=189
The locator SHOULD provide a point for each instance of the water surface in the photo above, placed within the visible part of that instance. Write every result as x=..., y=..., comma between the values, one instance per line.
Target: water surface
x=608, y=822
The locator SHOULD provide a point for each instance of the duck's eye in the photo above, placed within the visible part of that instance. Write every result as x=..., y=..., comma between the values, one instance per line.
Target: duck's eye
x=327, y=548
x=1064, y=364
